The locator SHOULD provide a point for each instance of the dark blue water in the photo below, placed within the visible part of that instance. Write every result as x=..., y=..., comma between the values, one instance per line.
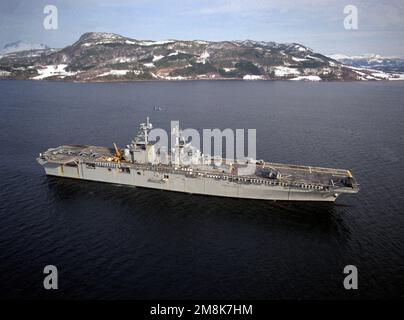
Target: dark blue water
x=119, y=242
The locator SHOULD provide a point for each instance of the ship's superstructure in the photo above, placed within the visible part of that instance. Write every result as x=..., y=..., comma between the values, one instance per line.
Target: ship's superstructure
x=141, y=165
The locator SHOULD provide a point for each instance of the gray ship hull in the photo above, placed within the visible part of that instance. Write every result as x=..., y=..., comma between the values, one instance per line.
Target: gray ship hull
x=180, y=182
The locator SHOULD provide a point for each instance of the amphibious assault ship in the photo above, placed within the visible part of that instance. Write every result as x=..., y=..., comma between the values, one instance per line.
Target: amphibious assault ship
x=140, y=165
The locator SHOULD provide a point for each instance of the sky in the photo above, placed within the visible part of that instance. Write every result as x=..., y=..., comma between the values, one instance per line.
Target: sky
x=318, y=24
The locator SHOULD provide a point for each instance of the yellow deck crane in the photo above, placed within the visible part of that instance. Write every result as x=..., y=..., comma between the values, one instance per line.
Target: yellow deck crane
x=118, y=156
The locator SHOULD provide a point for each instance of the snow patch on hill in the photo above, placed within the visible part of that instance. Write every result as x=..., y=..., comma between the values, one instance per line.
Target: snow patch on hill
x=203, y=57
x=53, y=70
x=307, y=78
x=154, y=43
x=252, y=77
x=298, y=59
x=285, y=71
x=115, y=73
x=4, y=73
x=157, y=58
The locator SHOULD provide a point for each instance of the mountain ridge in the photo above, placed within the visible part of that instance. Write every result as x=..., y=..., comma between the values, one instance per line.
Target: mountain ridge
x=373, y=61
x=99, y=56
x=20, y=45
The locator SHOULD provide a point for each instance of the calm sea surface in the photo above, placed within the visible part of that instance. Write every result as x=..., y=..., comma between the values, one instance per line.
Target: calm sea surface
x=111, y=241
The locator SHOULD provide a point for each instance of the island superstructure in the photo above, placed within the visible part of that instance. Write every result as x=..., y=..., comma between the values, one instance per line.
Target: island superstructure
x=140, y=165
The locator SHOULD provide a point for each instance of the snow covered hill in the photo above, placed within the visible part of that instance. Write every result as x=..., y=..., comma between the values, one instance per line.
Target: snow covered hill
x=100, y=56
x=374, y=61
x=21, y=46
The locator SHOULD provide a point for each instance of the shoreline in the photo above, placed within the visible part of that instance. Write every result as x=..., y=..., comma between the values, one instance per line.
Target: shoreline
x=200, y=80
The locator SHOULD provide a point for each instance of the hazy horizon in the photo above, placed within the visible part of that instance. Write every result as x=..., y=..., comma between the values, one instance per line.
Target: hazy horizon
x=316, y=24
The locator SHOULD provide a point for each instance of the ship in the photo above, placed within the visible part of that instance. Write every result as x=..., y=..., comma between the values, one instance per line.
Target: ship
x=137, y=165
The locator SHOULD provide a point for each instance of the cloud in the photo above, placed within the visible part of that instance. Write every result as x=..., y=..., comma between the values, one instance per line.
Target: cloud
x=250, y=6
x=376, y=13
